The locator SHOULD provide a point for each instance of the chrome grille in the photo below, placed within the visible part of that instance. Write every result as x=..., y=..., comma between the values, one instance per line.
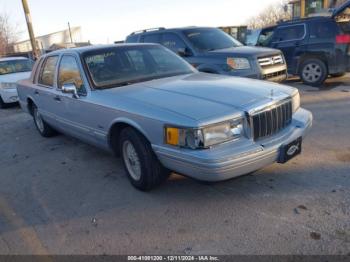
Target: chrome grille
x=271, y=120
x=271, y=60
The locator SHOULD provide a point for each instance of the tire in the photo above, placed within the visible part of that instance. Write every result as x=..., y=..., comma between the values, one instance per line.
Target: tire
x=44, y=129
x=313, y=72
x=2, y=103
x=338, y=75
x=143, y=169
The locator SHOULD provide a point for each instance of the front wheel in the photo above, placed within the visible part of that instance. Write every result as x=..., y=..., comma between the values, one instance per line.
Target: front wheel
x=313, y=72
x=44, y=129
x=141, y=164
x=2, y=103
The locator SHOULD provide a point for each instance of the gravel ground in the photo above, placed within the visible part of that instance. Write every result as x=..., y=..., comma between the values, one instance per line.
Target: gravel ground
x=60, y=196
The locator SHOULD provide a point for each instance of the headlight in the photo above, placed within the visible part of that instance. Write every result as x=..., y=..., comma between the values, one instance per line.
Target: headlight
x=204, y=137
x=8, y=85
x=238, y=63
x=296, y=101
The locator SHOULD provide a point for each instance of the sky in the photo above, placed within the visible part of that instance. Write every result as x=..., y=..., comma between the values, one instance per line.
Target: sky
x=106, y=21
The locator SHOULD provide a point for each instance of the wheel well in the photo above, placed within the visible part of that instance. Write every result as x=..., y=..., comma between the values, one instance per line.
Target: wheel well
x=114, y=135
x=30, y=104
x=321, y=57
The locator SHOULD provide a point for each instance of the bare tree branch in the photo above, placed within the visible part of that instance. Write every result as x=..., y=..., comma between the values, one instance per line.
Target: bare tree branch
x=271, y=15
x=8, y=34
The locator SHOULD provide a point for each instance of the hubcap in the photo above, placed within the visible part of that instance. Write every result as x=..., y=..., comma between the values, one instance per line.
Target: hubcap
x=131, y=160
x=312, y=72
x=38, y=120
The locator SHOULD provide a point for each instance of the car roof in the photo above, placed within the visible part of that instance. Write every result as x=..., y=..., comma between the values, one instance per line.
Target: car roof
x=13, y=58
x=162, y=30
x=305, y=19
x=81, y=50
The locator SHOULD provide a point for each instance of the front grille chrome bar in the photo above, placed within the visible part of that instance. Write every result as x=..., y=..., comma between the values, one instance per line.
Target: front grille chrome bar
x=271, y=60
x=269, y=121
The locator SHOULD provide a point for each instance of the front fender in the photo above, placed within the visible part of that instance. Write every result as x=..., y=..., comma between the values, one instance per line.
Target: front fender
x=126, y=121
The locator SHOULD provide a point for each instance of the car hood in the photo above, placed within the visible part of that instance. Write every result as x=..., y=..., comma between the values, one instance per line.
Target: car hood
x=13, y=78
x=202, y=96
x=246, y=51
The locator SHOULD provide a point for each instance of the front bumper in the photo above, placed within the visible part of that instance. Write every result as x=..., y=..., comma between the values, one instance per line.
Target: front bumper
x=9, y=95
x=235, y=158
x=276, y=73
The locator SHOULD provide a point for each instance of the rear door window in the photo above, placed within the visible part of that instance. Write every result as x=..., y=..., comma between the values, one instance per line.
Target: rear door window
x=290, y=33
x=323, y=30
x=47, y=75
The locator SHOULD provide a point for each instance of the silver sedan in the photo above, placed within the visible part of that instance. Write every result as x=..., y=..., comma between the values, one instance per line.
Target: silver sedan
x=149, y=106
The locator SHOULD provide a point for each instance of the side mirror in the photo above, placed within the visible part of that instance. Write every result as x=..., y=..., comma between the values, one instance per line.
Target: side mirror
x=183, y=52
x=70, y=88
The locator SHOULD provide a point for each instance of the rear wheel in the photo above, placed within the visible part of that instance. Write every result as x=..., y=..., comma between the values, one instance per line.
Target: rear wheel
x=44, y=129
x=141, y=164
x=313, y=72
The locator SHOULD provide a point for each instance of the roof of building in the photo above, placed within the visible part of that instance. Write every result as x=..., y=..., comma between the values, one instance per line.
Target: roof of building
x=47, y=35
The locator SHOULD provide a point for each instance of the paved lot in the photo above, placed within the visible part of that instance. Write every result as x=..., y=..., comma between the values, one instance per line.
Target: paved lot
x=60, y=196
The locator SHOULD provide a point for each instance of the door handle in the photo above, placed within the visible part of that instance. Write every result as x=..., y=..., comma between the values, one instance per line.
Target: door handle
x=57, y=98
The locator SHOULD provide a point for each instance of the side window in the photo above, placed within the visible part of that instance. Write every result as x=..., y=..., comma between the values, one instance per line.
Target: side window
x=132, y=39
x=47, y=75
x=69, y=72
x=265, y=37
x=290, y=33
x=152, y=38
x=172, y=41
x=323, y=29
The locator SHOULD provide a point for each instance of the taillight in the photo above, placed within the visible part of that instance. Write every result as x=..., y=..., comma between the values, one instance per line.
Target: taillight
x=342, y=39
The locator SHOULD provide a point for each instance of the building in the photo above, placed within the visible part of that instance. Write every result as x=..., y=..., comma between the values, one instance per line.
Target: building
x=238, y=32
x=305, y=8
x=46, y=42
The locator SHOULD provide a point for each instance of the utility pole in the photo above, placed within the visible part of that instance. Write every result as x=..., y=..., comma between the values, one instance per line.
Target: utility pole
x=30, y=29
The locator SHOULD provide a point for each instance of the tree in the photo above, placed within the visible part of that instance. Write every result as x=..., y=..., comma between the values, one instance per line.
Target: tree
x=8, y=34
x=271, y=15
x=335, y=3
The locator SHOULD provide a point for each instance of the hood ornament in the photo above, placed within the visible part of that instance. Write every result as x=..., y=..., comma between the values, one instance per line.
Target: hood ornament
x=271, y=93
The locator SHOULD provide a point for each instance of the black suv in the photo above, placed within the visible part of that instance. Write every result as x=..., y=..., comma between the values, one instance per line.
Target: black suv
x=211, y=50
x=313, y=47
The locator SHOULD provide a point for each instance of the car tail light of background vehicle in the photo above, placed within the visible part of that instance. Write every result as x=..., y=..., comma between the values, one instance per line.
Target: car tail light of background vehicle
x=342, y=39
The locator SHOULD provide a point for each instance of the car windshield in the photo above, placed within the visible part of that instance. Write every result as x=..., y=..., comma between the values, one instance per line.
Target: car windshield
x=15, y=66
x=117, y=66
x=252, y=37
x=210, y=39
